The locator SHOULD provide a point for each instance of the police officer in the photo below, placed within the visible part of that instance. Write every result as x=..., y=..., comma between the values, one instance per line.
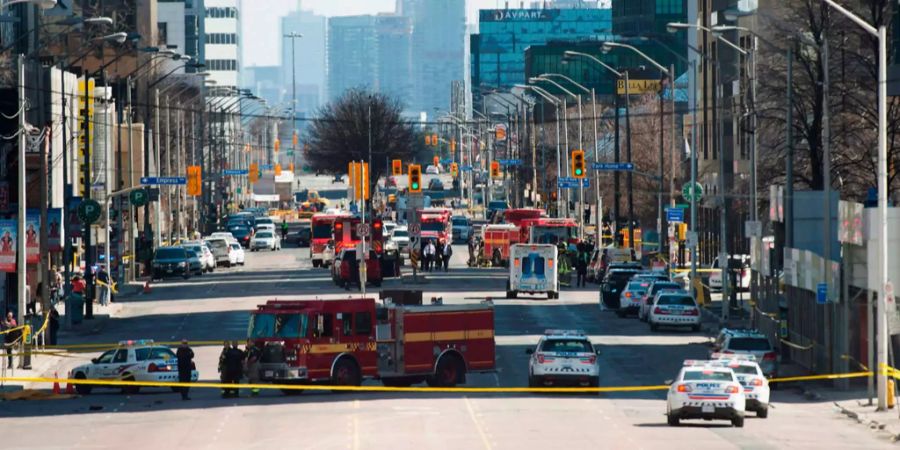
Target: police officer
x=223, y=373
x=185, y=366
x=234, y=367
x=252, y=354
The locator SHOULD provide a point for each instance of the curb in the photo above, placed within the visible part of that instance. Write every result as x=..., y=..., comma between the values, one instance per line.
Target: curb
x=872, y=424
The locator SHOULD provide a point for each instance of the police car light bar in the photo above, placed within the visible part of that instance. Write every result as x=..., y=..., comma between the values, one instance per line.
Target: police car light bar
x=129, y=343
x=734, y=356
x=564, y=332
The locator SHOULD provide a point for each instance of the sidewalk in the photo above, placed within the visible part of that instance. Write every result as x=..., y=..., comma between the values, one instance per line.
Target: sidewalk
x=885, y=423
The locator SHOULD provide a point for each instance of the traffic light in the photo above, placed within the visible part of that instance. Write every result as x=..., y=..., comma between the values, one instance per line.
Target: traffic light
x=415, y=178
x=194, y=181
x=254, y=173
x=396, y=167
x=578, y=164
x=495, y=169
x=454, y=169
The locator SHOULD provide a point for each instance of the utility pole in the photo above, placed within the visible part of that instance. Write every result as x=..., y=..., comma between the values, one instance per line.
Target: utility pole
x=86, y=232
x=293, y=36
x=21, y=267
x=630, y=177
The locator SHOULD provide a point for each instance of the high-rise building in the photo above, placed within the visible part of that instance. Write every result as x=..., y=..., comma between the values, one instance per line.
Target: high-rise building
x=310, y=58
x=223, y=45
x=498, y=50
x=352, y=54
x=438, y=55
x=180, y=23
x=371, y=52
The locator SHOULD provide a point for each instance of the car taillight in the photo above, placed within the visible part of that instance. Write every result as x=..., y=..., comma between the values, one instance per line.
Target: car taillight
x=692, y=312
x=732, y=390
x=770, y=356
x=160, y=368
x=756, y=382
x=683, y=388
x=659, y=310
x=628, y=294
x=540, y=358
x=589, y=360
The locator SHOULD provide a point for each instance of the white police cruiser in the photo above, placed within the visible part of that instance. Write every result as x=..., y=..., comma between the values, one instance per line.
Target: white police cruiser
x=137, y=360
x=563, y=357
x=706, y=390
x=751, y=377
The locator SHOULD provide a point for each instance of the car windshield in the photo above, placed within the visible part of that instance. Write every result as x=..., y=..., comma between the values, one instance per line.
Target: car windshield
x=552, y=235
x=744, y=370
x=236, y=246
x=661, y=286
x=675, y=300
x=621, y=276
x=154, y=353
x=707, y=375
x=460, y=221
x=263, y=234
x=322, y=231
x=401, y=233
x=433, y=226
x=567, y=346
x=265, y=220
x=750, y=344
x=264, y=325
x=194, y=248
x=170, y=253
x=218, y=244
x=637, y=285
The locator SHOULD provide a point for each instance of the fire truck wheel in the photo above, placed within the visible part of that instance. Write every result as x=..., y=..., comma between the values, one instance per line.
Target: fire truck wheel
x=346, y=373
x=449, y=372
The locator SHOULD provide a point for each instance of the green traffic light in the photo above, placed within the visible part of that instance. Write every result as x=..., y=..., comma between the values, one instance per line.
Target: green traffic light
x=577, y=171
x=415, y=186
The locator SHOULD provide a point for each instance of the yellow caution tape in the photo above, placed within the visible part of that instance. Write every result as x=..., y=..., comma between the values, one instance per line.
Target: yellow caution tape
x=112, y=286
x=321, y=387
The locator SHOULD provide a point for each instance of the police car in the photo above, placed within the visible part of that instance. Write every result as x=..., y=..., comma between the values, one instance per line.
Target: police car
x=706, y=390
x=756, y=386
x=748, y=342
x=563, y=357
x=674, y=309
x=138, y=360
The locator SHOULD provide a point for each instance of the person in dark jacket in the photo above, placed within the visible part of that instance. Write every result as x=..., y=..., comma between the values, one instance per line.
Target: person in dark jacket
x=234, y=367
x=53, y=327
x=185, y=366
x=223, y=374
x=581, y=264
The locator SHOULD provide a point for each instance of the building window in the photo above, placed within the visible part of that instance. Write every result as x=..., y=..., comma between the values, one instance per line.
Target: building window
x=221, y=38
x=669, y=6
x=221, y=13
x=221, y=64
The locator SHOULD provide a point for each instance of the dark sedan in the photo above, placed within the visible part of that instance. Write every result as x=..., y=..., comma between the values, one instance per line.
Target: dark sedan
x=171, y=261
x=242, y=233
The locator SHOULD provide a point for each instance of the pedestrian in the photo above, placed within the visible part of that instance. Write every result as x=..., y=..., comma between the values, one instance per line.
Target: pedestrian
x=11, y=337
x=447, y=253
x=284, y=229
x=103, y=281
x=438, y=256
x=78, y=285
x=471, y=245
x=234, y=366
x=223, y=372
x=430, y=253
x=54, y=324
x=251, y=366
x=31, y=306
x=581, y=267
x=185, y=367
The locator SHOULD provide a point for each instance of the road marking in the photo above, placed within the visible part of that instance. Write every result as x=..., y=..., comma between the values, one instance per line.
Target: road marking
x=481, y=433
x=355, y=425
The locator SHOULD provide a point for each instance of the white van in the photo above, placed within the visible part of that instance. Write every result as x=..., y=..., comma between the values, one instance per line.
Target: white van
x=533, y=269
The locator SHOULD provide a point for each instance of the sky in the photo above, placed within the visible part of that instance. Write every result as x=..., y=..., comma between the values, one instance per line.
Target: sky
x=260, y=26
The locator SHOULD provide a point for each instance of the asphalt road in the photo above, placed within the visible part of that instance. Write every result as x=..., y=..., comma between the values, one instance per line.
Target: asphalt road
x=215, y=306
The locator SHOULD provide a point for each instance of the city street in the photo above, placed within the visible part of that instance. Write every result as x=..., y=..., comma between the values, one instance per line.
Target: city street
x=215, y=306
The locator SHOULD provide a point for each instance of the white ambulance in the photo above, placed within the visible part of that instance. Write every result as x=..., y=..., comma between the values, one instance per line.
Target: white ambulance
x=533, y=270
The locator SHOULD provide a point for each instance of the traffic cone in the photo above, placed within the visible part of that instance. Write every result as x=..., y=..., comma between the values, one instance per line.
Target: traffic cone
x=147, y=289
x=70, y=389
x=56, y=389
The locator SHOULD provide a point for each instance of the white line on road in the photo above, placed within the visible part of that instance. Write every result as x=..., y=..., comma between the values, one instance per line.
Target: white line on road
x=478, y=426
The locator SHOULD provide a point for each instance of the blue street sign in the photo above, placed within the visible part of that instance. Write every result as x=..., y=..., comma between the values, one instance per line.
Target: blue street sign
x=466, y=168
x=232, y=172
x=266, y=167
x=446, y=161
x=620, y=166
x=572, y=183
x=510, y=162
x=674, y=215
x=150, y=181
x=822, y=293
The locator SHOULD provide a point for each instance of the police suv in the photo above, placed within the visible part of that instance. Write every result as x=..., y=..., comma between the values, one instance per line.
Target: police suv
x=563, y=357
x=706, y=390
x=137, y=360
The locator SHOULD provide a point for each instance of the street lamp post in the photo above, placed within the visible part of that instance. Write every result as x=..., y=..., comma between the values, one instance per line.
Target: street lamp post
x=293, y=36
x=546, y=95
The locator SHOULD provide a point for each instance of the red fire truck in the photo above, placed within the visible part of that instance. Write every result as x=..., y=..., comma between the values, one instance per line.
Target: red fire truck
x=550, y=231
x=497, y=240
x=346, y=234
x=322, y=233
x=435, y=224
x=343, y=342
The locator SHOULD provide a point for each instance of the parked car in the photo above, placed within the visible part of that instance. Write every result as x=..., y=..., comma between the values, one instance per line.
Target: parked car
x=220, y=249
x=170, y=261
x=613, y=284
x=739, y=264
x=748, y=342
x=263, y=221
x=265, y=240
x=400, y=237
x=303, y=236
x=207, y=260
x=136, y=360
x=238, y=254
x=195, y=265
x=462, y=228
x=674, y=309
x=242, y=234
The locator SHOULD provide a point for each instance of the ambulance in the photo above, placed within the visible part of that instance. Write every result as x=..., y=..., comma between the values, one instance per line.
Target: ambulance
x=533, y=270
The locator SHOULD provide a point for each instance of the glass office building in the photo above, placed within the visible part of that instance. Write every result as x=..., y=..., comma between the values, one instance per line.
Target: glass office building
x=498, y=50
